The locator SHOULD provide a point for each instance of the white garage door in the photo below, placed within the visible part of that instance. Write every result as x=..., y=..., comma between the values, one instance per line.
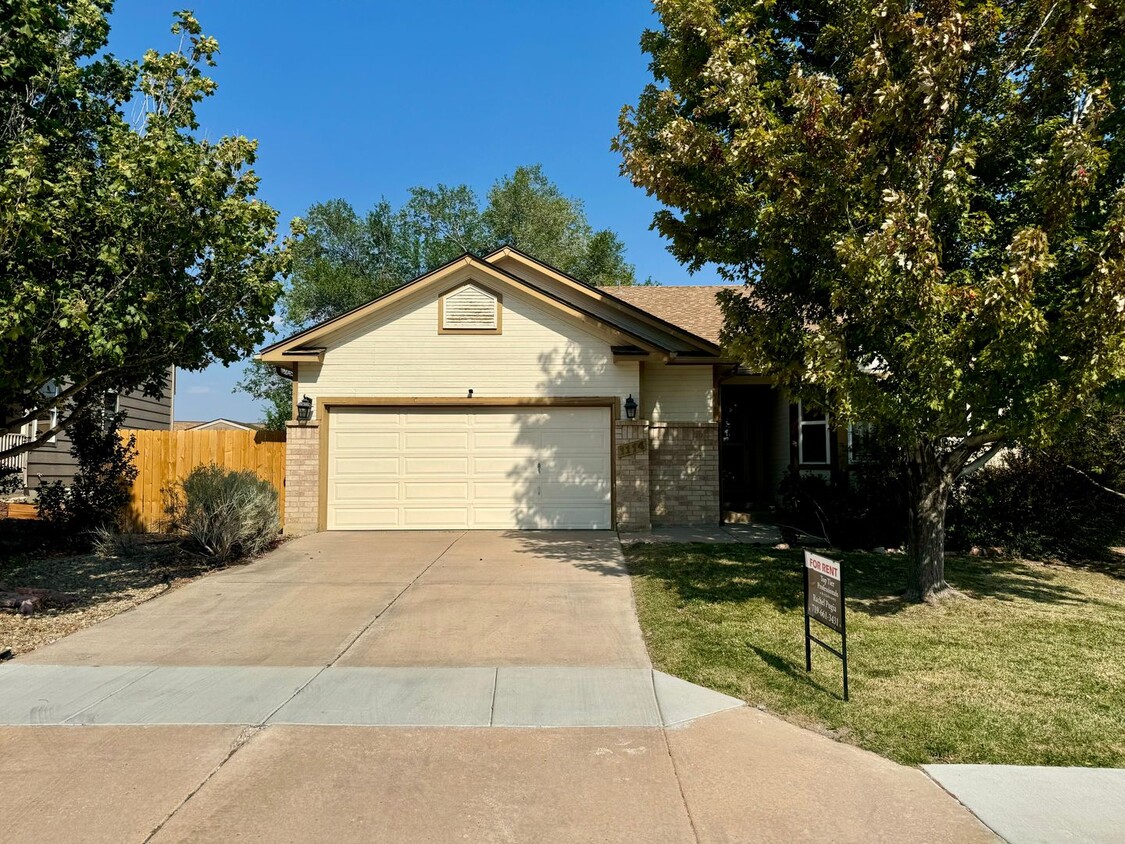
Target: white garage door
x=496, y=468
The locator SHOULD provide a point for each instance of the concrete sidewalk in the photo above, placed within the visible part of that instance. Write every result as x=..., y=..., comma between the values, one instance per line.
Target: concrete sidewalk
x=1040, y=805
x=41, y=695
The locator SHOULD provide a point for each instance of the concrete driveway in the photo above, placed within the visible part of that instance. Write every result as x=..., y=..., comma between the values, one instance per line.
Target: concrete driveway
x=258, y=703
x=469, y=598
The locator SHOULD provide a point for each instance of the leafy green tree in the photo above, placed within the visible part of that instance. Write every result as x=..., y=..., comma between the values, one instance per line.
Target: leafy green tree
x=127, y=244
x=925, y=200
x=275, y=392
x=526, y=210
x=342, y=260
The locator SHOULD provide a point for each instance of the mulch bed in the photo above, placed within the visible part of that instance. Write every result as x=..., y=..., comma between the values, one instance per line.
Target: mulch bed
x=45, y=595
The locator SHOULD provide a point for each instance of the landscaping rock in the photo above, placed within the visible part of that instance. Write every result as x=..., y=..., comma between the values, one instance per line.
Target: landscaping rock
x=27, y=601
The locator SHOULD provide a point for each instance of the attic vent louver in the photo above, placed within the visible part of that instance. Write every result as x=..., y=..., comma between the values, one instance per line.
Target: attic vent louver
x=469, y=308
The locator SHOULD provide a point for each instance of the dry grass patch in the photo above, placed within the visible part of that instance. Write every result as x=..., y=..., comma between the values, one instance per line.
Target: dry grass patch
x=1026, y=666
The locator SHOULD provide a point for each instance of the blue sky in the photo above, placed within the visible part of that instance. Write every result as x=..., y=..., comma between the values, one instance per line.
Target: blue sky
x=362, y=100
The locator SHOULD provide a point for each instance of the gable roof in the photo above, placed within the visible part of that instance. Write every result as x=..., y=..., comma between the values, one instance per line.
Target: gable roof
x=627, y=324
x=693, y=308
x=220, y=423
x=600, y=294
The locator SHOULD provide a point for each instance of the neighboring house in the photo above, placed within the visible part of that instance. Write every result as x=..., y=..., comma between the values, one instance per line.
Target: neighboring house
x=495, y=393
x=52, y=461
x=217, y=425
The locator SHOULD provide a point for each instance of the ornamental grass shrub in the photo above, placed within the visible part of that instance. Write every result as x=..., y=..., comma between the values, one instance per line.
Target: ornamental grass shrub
x=227, y=514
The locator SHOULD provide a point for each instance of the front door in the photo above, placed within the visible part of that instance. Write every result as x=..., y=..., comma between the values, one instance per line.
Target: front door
x=747, y=432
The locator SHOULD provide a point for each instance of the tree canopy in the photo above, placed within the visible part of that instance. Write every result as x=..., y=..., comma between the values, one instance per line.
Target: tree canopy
x=127, y=244
x=342, y=260
x=925, y=199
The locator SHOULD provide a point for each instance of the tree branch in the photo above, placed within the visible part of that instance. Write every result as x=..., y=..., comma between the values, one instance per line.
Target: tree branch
x=1102, y=487
x=981, y=461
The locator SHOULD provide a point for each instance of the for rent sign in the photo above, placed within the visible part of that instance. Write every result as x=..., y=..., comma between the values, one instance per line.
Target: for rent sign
x=824, y=603
x=824, y=600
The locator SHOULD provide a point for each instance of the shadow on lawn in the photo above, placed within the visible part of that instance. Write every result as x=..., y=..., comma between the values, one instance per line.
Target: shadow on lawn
x=875, y=583
x=793, y=670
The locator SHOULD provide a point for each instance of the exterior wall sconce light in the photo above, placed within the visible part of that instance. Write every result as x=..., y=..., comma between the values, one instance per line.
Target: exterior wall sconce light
x=304, y=410
x=470, y=392
x=630, y=407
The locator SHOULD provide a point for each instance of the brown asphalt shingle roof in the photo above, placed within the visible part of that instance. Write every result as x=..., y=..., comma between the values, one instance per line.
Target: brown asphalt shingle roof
x=692, y=308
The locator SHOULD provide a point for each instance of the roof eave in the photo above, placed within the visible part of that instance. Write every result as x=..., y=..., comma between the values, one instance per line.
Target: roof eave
x=664, y=324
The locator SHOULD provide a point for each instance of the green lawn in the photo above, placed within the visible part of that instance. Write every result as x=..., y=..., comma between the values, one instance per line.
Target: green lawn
x=1026, y=666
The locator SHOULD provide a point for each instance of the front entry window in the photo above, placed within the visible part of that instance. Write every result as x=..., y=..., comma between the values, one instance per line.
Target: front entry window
x=813, y=436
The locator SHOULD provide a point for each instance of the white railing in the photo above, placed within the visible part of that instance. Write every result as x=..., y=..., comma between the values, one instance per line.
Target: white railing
x=18, y=461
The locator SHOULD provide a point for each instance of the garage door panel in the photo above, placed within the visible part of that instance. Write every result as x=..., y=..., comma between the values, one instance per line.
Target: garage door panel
x=366, y=518
x=504, y=467
x=373, y=466
x=436, y=420
x=433, y=442
x=493, y=491
x=444, y=466
x=368, y=438
x=575, y=518
x=359, y=491
x=485, y=516
x=502, y=440
x=492, y=468
x=434, y=491
x=361, y=419
x=573, y=488
x=565, y=441
x=436, y=518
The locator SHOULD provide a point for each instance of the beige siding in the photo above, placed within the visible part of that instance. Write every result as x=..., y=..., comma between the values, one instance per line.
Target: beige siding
x=677, y=393
x=400, y=353
x=586, y=299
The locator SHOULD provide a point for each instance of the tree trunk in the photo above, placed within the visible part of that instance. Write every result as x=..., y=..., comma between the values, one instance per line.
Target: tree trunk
x=929, y=486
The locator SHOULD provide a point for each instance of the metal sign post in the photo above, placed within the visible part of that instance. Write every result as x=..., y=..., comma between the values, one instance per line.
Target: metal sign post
x=824, y=602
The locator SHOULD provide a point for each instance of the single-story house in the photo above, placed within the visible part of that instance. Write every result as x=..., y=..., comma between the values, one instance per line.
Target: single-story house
x=499, y=392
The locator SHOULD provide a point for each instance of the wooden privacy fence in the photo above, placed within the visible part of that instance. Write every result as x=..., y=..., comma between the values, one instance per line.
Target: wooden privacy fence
x=164, y=457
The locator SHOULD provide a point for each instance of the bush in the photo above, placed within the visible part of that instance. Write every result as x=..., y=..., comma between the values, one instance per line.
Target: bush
x=99, y=493
x=864, y=509
x=107, y=542
x=11, y=480
x=1036, y=506
x=228, y=514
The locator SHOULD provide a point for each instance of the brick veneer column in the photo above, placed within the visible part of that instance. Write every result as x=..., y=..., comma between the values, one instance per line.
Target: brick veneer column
x=684, y=473
x=302, y=477
x=631, y=488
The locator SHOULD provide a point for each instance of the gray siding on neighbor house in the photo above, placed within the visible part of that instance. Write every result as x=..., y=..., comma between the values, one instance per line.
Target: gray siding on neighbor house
x=145, y=413
x=53, y=461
